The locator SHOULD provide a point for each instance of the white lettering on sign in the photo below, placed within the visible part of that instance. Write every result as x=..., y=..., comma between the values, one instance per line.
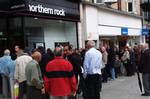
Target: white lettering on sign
x=41, y=9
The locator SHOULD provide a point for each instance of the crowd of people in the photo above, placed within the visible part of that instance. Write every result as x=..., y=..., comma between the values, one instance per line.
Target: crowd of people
x=66, y=72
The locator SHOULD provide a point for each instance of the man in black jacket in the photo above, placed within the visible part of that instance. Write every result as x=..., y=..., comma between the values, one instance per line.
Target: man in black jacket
x=144, y=68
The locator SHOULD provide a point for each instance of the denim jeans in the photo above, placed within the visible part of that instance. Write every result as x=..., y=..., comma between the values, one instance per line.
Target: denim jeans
x=112, y=71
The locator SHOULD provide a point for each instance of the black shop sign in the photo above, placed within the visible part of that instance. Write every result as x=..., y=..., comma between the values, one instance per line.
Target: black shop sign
x=58, y=9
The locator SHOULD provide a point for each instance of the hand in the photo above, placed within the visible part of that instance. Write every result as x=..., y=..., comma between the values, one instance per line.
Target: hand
x=73, y=93
x=16, y=81
x=43, y=91
x=84, y=75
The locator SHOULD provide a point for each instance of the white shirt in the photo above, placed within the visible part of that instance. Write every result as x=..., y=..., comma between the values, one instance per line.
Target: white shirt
x=21, y=63
x=92, y=62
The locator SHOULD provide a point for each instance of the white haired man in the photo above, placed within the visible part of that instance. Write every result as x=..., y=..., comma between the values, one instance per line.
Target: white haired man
x=92, y=71
x=144, y=68
x=4, y=62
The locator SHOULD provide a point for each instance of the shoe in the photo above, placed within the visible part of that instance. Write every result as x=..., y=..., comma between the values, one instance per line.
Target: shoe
x=144, y=94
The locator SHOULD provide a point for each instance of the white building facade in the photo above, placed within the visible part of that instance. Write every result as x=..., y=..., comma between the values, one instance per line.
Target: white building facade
x=104, y=24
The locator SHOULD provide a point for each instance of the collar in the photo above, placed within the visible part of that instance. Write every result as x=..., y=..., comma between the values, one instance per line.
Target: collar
x=35, y=61
x=58, y=57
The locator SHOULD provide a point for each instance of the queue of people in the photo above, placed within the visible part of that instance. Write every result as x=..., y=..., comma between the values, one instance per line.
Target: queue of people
x=66, y=72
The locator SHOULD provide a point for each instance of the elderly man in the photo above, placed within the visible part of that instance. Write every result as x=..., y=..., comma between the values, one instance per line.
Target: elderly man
x=5, y=61
x=144, y=68
x=35, y=86
x=22, y=60
x=60, y=81
x=92, y=71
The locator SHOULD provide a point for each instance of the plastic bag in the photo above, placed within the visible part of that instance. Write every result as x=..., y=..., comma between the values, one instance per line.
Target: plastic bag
x=16, y=90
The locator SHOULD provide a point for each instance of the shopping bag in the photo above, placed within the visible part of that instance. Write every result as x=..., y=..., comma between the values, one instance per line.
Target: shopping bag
x=16, y=90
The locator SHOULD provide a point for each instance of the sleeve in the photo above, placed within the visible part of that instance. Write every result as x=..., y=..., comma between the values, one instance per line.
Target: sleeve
x=73, y=80
x=35, y=78
x=124, y=57
x=16, y=74
x=105, y=58
x=46, y=84
x=85, y=65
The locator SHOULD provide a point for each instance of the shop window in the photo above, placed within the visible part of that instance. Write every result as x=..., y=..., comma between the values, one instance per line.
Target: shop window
x=61, y=44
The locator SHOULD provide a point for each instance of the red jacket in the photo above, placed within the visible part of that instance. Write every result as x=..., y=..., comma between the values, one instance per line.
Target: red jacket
x=59, y=78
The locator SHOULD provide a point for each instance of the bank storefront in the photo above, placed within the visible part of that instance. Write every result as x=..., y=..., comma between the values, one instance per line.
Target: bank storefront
x=112, y=26
x=35, y=23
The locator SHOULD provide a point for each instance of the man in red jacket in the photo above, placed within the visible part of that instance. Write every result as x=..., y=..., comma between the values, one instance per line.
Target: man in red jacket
x=60, y=81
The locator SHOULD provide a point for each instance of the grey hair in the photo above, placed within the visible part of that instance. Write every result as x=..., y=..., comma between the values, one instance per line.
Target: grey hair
x=7, y=52
x=91, y=43
x=146, y=46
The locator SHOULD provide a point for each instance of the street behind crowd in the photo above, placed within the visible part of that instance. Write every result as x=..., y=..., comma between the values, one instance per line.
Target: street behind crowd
x=121, y=88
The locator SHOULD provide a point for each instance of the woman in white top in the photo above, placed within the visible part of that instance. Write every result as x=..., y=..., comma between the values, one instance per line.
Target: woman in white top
x=126, y=61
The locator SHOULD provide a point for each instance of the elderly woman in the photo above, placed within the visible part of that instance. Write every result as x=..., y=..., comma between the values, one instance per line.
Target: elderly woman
x=126, y=61
x=104, y=62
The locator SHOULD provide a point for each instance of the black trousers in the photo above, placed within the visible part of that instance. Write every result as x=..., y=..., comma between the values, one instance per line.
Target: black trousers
x=82, y=86
x=129, y=68
x=104, y=75
x=33, y=93
x=93, y=84
x=22, y=89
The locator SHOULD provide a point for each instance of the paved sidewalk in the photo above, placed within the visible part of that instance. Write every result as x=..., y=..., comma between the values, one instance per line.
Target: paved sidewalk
x=122, y=88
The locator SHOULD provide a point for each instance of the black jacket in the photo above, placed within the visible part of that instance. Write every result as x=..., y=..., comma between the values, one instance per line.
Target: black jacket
x=144, y=66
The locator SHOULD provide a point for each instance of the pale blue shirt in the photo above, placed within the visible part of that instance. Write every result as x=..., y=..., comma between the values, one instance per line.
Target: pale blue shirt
x=92, y=62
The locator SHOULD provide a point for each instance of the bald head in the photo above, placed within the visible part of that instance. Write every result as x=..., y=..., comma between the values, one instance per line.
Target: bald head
x=90, y=44
x=7, y=52
x=58, y=51
x=36, y=56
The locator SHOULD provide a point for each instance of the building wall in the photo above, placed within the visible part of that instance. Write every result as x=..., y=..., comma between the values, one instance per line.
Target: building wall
x=91, y=23
x=101, y=22
x=124, y=5
x=97, y=17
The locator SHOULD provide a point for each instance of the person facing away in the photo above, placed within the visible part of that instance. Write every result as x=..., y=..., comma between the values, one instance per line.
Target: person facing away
x=35, y=85
x=4, y=62
x=60, y=81
x=92, y=71
x=10, y=68
x=22, y=60
x=144, y=68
